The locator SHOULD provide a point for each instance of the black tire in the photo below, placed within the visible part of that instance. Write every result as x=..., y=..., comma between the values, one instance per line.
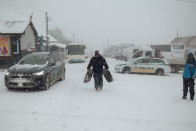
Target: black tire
x=63, y=75
x=9, y=88
x=126, y=70
x=174, y=69
x=159, y=72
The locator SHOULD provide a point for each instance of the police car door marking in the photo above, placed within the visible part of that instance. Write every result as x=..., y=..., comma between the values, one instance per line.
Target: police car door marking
x=143, y=69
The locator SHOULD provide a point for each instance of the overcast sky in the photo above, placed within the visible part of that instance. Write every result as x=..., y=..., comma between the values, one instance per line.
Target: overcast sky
x=120, y=21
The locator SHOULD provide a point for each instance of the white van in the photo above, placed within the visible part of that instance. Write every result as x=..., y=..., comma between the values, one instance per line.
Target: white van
x=130, y=51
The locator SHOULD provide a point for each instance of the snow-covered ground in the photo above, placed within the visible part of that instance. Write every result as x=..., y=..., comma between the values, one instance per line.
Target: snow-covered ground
x=133, y=102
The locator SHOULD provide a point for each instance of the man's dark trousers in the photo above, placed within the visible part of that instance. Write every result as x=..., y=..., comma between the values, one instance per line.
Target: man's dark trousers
x=98, y=78
x=188, y=82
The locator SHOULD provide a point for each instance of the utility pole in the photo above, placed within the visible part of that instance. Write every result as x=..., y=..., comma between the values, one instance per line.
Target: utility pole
x=47, y=32
x=177, y=32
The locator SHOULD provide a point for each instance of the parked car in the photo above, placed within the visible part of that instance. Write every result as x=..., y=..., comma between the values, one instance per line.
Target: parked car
x=145, y=65
x=36, y=70
x=120, y=57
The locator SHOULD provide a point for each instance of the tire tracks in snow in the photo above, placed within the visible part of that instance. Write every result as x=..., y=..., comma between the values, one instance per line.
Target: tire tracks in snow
x=105, y=118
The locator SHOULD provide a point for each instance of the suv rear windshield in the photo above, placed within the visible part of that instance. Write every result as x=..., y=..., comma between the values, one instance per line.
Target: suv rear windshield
x=33, y=59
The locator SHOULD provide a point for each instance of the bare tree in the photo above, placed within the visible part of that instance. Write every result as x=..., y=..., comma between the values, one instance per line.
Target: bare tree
x=59, y=35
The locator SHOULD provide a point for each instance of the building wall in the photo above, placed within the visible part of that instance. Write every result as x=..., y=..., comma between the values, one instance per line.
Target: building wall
x=193, y=42
x=28, y=39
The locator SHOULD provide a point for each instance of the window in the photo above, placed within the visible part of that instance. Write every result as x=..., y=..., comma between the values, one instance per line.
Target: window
x=34, y=59
x=138, y=54
x=178, y=46
x=134, y=50
x=148, y=53
x=51, y=60
x=15, y=46
x=141, y=61
x=77, y=49
x=60, y=56
x=152, y=61
x=56, y=58
x=161, y=61
x=155, y=61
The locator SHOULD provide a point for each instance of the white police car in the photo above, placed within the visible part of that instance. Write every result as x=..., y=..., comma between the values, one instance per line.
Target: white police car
x=145, y=65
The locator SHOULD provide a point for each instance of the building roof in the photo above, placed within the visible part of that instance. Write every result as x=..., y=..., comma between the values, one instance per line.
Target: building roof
x=60, y=45
x=51, y=39
x=184, y=40
x=14, y=27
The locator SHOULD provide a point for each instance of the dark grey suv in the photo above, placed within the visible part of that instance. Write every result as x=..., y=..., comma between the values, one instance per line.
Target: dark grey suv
x=36, y=70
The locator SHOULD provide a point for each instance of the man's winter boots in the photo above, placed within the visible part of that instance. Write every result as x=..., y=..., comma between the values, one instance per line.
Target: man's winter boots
x=192, y=97
x=184, y=97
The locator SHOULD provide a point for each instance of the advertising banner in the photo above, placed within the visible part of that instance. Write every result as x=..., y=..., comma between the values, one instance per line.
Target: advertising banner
x=4, y=46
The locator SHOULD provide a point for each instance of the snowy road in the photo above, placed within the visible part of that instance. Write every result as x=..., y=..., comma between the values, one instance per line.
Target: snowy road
x=133, y=102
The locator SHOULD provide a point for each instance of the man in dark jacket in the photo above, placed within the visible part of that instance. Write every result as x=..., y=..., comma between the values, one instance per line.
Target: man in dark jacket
x=97, y=62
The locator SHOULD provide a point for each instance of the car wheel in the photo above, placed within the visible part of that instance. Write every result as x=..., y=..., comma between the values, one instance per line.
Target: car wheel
x=9, y=88
x=174, y=69
x=159, y=72
x=126, y=70
x=63, y=75
x=47, y=82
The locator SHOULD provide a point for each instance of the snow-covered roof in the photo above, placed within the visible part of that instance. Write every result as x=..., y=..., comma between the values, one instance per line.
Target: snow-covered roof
x=75, y=44
x=7, y=27
x=185, y=40
x=51, y=39
x=56, y=44
x=59, y=45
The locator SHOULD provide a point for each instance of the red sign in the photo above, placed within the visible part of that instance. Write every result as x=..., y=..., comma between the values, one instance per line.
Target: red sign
x=4, y=46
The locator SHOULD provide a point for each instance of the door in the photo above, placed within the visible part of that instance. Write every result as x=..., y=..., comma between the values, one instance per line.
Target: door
x=52, y=66
x=139, y=65
x=151, y=65
x=57, y=66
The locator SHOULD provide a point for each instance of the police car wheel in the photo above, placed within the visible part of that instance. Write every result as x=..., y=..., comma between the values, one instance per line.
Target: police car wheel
x=159, y=72
x=126, y=70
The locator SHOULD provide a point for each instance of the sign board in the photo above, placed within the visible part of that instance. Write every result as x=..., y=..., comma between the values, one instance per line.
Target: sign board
x=5, y=49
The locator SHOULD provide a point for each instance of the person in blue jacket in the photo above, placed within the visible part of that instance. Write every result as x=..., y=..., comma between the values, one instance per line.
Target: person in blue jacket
x=189, y=76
